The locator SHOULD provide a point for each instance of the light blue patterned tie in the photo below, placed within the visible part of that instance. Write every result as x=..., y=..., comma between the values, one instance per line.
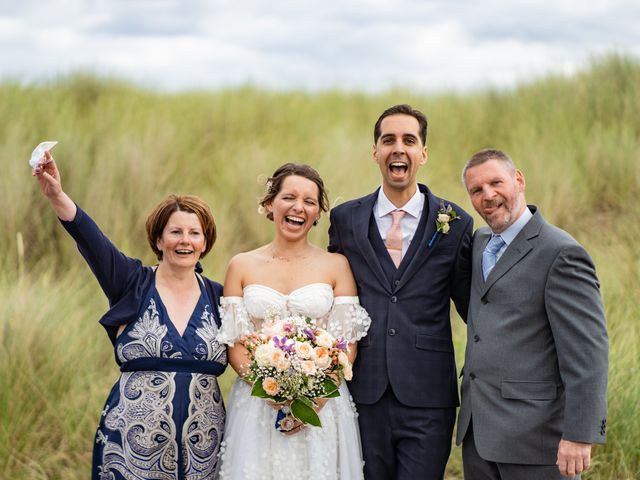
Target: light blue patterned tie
x=489, y=255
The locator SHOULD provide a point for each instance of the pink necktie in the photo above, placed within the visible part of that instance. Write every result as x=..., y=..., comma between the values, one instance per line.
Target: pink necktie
x=394, y=237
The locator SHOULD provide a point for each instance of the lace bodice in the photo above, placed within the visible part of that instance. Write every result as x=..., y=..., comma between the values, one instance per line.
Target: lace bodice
x=340, y=316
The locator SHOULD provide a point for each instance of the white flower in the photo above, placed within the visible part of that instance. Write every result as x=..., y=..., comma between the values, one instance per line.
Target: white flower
x=283, y=364
x=298, y=321
x=321, y=357
x=323, y=339
x=346, y=366
x=445, y=216
x=273, y=329
x=304, y=350
x=307, y=367
x=263, y=354
x=343, y=359
x=276, y=357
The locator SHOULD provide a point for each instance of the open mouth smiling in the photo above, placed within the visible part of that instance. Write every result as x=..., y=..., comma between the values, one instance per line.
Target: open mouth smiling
x=398, y=168
x=294, y=220
x=183, y=252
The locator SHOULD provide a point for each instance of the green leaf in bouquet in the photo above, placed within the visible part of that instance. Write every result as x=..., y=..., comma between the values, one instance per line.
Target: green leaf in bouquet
x=330, y=388
x=302, y=409
x=307, y=401
x=258, y=390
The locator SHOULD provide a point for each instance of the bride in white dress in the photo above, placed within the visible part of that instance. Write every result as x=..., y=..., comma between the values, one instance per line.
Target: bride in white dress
x=290, y=276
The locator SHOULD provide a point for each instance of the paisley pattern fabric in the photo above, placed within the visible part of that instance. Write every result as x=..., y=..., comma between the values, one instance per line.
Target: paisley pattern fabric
x=253, y=448
x=165, y=425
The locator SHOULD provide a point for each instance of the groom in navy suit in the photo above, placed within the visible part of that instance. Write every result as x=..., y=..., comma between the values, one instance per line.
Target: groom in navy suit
x=410, y=254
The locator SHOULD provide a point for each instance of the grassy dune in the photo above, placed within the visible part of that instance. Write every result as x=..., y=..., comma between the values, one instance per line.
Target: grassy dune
x=122, y=149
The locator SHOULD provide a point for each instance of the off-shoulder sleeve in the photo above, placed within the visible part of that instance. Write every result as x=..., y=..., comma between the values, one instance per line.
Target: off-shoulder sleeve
x=348, y=319
x=235, y=320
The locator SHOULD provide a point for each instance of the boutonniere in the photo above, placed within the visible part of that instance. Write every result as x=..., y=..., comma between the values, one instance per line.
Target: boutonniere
x=445, y=216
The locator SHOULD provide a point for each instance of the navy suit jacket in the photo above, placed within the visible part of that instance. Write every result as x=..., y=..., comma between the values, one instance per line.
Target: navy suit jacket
x=409, y=344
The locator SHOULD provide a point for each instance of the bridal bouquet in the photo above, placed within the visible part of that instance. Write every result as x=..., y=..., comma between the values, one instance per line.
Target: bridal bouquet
x=293, y=361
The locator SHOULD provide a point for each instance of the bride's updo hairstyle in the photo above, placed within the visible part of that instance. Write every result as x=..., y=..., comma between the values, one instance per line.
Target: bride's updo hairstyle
x=274, y=185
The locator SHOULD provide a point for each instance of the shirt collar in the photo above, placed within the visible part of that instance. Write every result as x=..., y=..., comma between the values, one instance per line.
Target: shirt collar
x=512, y=232
x=413, y=207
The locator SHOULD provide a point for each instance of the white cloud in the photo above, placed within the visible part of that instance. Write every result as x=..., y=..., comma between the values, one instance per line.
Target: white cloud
x=359, y=44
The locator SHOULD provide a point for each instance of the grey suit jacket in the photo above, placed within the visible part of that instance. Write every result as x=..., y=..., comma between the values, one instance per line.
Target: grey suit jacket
x=536, y=359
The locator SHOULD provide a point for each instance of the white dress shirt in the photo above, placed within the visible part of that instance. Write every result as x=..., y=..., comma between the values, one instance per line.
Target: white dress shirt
x=409, y=223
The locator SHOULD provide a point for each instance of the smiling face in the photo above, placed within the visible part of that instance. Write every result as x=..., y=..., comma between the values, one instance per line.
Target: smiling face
x=497, y=193
x=295, y=207
x=399, y=152
x=182, y=240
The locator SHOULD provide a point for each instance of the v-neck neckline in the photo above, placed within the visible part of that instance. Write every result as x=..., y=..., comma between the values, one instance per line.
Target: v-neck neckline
x=168, y=319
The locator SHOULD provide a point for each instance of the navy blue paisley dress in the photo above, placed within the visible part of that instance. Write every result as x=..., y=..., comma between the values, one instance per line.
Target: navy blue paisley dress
x=164, y=417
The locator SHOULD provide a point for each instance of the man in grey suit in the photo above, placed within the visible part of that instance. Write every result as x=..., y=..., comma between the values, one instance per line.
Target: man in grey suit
x=535, y=376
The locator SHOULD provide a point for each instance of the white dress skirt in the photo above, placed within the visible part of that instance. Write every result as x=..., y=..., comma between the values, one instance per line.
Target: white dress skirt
x=252, y=446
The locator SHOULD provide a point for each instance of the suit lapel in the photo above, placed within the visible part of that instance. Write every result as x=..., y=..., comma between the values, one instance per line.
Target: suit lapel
x=422, y=251
x=360, y=218
x=515, y=252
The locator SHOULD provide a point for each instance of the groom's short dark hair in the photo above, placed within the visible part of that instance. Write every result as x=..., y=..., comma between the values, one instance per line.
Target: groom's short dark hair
x=403, y=109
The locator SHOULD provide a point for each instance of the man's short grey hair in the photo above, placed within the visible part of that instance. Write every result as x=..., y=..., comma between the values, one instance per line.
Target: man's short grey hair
x=485, y=155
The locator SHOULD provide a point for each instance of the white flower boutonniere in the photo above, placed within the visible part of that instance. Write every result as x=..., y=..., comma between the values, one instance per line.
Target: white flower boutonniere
x=446, y=215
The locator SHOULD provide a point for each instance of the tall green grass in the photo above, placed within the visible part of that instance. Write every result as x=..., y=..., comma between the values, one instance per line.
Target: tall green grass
x=122, y=149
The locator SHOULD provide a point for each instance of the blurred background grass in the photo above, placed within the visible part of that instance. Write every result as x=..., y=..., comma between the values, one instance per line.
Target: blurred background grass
x=122, y=149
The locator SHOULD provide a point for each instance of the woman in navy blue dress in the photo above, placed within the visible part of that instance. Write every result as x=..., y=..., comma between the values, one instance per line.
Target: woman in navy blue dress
x=164, y=417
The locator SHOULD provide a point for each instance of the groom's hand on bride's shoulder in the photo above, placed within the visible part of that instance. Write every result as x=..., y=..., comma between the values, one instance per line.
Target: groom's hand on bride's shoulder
x=573, y=457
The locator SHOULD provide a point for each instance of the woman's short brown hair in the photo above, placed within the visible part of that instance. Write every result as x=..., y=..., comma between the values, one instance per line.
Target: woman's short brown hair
x=274, y=184
x=158, y=218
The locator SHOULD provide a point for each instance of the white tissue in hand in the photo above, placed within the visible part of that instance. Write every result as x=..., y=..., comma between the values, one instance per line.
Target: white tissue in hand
x=38, y=153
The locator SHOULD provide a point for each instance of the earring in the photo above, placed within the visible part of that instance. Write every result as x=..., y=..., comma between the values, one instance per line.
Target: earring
x=315, y=222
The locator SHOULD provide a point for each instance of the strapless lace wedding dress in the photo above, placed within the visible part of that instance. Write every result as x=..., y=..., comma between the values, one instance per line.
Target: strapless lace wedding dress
x=252, y=447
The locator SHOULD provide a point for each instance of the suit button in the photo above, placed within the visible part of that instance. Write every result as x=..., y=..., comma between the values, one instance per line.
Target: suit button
x=392, y=332
x=472, y=376
x=394, y=299
x=476, y=338
x=396, y=283
x=484, y=301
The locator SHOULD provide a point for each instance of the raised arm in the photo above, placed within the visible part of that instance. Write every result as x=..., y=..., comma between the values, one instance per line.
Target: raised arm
x=113, y=270
x=48, y=177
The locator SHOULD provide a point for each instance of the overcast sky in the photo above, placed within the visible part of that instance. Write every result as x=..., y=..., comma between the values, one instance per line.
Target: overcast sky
x=369, y=45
